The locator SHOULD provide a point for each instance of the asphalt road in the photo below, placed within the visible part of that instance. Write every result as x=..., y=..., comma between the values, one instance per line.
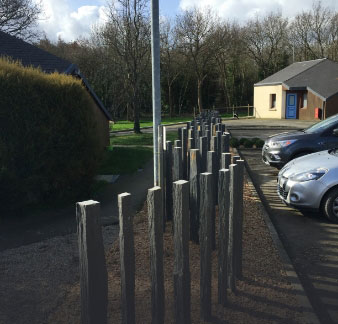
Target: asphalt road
x=310, y=240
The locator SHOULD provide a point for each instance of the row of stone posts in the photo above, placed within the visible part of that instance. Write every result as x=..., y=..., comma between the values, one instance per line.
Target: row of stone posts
x=198, y=175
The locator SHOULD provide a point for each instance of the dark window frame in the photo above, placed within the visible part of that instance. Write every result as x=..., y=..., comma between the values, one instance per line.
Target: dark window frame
x=273, y=99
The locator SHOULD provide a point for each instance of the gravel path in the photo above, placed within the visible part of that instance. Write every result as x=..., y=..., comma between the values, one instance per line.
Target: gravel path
x=35, y=279
x=39, y=282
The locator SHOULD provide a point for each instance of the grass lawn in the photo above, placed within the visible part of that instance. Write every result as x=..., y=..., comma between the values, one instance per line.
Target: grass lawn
x=138, y=139
x=124, y=124
x=125, y=160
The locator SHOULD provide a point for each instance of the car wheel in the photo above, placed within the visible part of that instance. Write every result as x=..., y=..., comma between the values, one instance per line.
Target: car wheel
x=330, y=205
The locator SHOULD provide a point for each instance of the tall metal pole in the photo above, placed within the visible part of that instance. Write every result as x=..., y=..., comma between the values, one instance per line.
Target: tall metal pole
x=156, y=91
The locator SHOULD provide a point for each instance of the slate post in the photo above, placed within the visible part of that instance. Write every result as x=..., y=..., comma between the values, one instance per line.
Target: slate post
x=184, y=152
x=233, y=215
x=155, y=220
x=194, y=194
x=93, y=270
x=225, y=143
x=239, y=236
x=169, y=180
x=203, y=153
x=211, y=168
x=226, y=160
x=223, y=233
x=177, y=164
x=127, y=259
x=206, y=209
x=181, y=252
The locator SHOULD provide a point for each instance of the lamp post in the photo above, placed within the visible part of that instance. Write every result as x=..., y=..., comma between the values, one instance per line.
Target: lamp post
x=156, y=86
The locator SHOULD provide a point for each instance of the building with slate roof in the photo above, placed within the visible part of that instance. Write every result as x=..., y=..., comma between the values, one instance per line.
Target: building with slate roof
x=303, y=90
x=30, y=55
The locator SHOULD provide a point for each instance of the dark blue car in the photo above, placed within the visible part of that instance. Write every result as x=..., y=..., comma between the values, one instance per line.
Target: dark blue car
x=282, y=148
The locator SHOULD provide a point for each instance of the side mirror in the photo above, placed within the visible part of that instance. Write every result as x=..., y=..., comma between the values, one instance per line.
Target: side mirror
x=335, y=132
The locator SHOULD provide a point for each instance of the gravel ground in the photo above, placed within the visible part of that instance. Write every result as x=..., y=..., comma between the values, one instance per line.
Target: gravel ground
x=39, y=282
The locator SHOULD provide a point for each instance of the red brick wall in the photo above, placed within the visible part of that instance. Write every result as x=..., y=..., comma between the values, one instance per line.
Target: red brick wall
x=308, y=113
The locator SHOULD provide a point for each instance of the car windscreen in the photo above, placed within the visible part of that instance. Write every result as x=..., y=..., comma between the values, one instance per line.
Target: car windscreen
x=324, y=124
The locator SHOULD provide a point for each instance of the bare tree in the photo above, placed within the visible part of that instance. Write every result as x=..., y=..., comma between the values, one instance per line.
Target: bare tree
x=128, y=34
x=229, y=58
x=194, y=30
x=313, y=32
x=267, y=43
x=170, y=67
x=333, y=31
x=18, y=17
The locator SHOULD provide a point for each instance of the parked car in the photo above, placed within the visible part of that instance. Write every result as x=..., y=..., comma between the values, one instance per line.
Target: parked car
x=311, y=182
x=282, y=148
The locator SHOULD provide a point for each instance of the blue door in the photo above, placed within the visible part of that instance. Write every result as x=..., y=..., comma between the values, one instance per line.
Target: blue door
x=291, y=106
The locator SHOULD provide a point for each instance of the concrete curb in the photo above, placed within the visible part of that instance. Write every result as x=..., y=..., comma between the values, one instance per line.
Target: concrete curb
x=309, y=315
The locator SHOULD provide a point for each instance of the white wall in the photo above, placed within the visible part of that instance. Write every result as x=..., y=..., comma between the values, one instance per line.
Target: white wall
x=262, y=101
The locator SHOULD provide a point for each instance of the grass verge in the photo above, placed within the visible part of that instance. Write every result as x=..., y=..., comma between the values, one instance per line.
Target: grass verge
x=125, y=160
x=125, y=125
x=138, y=139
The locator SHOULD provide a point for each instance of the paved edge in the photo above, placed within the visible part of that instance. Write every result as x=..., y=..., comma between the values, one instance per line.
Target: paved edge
x=309, y=315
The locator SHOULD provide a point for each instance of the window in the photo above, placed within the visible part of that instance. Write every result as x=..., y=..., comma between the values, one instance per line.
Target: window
x=304, y=101
x=272, y=100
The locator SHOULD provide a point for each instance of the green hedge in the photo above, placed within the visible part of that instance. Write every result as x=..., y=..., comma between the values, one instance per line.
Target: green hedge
x=48, y=146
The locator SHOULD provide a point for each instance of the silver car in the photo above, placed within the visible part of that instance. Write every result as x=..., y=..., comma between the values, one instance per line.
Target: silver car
x=311, y=181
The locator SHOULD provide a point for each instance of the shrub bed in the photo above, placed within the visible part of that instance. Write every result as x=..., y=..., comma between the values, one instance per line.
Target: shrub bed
x=48, y=146
x=246, y=142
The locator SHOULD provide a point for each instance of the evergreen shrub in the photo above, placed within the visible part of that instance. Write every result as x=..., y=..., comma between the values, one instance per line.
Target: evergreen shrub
x=248, y=143
x=48, y=146
x=259, y=143
x=234, y=142
x=242, y=140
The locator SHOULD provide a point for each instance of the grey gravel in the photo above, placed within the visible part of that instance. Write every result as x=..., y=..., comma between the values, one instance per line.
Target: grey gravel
x=34, y=278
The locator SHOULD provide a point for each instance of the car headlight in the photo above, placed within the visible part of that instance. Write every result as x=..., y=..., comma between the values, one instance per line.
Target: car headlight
x=309, y=175
x=279, y=144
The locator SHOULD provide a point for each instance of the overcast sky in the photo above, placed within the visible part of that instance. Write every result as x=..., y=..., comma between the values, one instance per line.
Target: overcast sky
x=71, y=19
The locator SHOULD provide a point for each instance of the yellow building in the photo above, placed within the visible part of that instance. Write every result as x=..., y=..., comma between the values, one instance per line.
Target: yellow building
x=303, y=90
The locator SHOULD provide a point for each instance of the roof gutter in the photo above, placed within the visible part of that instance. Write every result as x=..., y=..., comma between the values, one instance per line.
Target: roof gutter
x=302, y=88
x=71, y=69
x=267, y=84
x=95, y=97
x=74, y=70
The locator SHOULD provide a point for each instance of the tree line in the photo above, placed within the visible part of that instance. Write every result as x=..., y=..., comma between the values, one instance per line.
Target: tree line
x=206, y=61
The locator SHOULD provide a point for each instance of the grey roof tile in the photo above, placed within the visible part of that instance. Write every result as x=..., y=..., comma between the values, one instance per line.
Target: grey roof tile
x=322, y=79
x=289, y=72
x=319, y=76
x=30, y=55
